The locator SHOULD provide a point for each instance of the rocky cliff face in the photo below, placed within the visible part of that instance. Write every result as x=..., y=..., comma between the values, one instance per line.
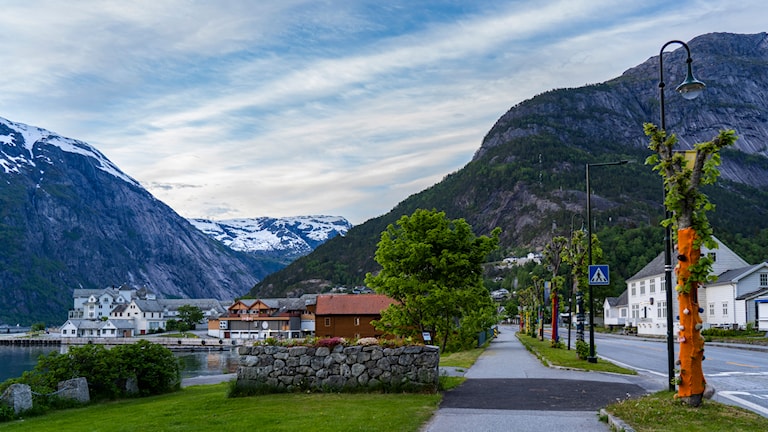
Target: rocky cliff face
x=734, y=68
x=70, y=219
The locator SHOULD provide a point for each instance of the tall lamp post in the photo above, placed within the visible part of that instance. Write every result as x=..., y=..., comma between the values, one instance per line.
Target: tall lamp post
x=690, y=89
x=592, y=358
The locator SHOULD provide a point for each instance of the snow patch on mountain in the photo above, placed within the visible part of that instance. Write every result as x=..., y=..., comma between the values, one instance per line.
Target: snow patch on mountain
x=22, y=144
x=296, y=235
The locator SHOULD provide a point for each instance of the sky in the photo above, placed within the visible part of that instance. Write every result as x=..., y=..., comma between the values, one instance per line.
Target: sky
x=238, y=108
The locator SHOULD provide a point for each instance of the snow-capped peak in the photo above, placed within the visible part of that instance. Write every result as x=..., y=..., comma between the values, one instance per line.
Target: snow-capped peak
x=299, y=235
x=21, y=144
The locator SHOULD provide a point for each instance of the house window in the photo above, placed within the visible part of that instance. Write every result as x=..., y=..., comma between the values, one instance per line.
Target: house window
x=635, y=311
x=661, y=309
x=357, y=321
x=327, y=322
x=634, y=290
x=663, y=285
x=623, y=312
x=642, y=287
x=712, y=255
x=652, y=286
x=764, y=279
x=712, y=309
x=725, y=309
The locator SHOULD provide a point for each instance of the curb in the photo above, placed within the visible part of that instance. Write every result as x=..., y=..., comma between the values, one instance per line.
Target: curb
x=615, y=423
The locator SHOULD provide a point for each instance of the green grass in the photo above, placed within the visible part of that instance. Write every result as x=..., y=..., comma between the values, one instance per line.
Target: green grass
x=660, y=412
x=178, y=335
x=462, y=359
x=207, y=408
x=567, y=358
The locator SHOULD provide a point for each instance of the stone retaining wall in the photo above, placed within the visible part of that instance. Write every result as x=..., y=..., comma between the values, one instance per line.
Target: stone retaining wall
x=340, y=368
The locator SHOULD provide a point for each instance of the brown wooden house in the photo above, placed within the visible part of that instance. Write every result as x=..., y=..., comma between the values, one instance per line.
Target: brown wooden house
x=281, y=318
x=349, y=316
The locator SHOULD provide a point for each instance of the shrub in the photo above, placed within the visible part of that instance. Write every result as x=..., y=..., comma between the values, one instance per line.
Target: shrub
x=582, y=349
x=331, y=342
x=154, y=367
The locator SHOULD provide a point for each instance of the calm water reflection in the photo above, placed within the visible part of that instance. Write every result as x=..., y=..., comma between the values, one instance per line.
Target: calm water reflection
x=15, y=360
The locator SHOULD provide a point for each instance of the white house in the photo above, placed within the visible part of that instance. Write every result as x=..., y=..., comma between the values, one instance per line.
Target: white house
x=98, y=303
x=81, y=328
x=647, y=291
x=616, y=311
x=732, y=299
x=116, y=328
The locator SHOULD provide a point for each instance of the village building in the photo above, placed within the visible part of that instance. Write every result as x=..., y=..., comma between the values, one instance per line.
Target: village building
x=616, y=311
x=737, y=298
x=281, y=318
x=349, y=316
x=125, y=312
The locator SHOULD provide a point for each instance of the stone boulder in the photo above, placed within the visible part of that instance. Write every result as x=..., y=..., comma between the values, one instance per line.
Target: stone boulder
x=76, y=389
x=18, y=397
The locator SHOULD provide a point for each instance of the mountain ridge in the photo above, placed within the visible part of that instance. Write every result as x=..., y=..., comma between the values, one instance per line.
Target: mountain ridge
x=288, y=237
x=528, y=177
x=69, y=218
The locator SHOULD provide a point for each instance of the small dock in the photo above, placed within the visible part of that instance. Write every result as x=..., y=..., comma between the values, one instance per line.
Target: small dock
x=25, y=342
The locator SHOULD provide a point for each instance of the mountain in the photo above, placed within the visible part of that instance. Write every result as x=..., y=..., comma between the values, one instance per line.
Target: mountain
x=285, y=239
x=528, y=175
x=70, y=218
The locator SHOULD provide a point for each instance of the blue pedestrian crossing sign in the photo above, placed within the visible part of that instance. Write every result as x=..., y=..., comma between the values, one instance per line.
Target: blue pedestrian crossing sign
x=598, y=275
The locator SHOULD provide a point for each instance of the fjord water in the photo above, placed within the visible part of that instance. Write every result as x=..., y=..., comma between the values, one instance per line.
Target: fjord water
x=15, y=360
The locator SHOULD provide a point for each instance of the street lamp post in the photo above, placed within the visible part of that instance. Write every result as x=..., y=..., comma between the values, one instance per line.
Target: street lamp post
x=690, y=89
x=592, y=358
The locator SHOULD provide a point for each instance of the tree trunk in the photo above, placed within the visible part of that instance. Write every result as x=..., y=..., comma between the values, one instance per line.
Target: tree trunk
x=691, y=382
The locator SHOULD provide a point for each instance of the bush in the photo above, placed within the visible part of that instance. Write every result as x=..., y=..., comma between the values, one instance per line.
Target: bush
x=154, y=368
x=331, y=342
x=582, y=349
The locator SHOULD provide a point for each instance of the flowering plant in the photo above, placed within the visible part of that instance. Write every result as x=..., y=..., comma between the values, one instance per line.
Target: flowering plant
x=331, y=342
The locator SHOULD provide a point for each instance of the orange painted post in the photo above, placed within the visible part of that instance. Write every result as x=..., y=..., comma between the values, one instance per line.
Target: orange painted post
x=555, y=319
x=690, y=378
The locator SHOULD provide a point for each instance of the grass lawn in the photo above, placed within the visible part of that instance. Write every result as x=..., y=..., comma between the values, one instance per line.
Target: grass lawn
x=207, y=408
x=567, y=358
x=462, y=359
x=660, y=412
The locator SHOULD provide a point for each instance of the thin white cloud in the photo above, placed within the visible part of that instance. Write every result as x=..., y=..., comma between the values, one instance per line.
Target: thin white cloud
x=239, y=108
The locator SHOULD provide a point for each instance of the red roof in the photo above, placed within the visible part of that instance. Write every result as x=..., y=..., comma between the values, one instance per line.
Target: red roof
x=352, y=304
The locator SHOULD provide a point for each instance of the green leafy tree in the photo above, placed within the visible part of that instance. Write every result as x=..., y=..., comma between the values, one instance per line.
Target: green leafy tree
x=432, y=266
x=189, y=316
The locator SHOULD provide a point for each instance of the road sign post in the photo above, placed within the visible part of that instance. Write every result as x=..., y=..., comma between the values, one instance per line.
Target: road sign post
x=599, y=275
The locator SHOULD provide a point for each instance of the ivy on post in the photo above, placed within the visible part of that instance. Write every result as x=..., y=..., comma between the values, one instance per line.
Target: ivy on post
x=688, y=206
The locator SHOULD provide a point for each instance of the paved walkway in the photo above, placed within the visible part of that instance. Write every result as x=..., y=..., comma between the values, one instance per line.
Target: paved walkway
x=509, y=389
